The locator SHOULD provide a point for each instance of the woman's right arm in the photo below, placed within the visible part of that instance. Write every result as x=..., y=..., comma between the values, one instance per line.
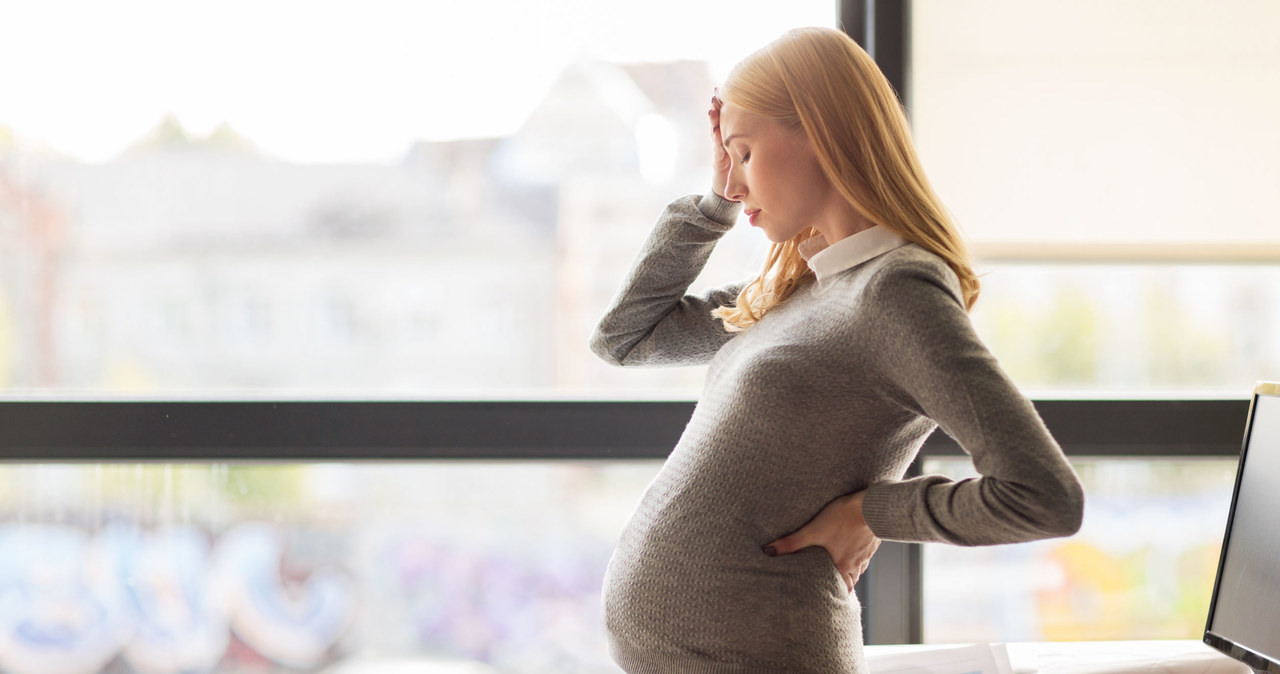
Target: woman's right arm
x=654, y=320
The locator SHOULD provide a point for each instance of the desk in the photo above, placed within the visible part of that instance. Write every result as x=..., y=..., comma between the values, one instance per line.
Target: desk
x=1091, y=657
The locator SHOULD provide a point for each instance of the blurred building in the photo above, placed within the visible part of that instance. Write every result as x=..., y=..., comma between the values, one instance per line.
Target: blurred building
x=472, y=265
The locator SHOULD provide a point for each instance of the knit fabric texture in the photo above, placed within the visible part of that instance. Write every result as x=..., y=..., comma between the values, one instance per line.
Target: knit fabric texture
x=831, y=393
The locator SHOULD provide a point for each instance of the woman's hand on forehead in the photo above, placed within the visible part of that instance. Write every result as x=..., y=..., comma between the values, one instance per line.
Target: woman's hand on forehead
x=720, y=161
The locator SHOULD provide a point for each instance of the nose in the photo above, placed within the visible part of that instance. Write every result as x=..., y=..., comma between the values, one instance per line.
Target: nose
x=734, y=188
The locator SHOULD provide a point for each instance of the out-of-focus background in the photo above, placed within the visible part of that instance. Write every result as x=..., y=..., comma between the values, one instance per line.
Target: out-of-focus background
x=436, y=200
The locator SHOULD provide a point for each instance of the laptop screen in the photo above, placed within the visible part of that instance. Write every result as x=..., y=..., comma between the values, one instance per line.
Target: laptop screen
x=1244, y=614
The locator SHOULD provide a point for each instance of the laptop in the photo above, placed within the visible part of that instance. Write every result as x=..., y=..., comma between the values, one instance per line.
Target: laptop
x=1244, y=613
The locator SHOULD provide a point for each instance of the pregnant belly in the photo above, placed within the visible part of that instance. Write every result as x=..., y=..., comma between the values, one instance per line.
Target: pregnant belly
x=691, y=591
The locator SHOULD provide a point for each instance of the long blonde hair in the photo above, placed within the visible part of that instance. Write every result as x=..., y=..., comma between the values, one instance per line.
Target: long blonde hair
x=820, y=81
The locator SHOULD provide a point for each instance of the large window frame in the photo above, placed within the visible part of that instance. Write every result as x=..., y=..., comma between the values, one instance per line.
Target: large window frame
x=160, y=431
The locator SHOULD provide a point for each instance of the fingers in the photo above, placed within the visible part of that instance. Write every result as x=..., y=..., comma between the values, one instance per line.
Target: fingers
x=788, y=544
x=714, y=114
x=720, y=163
x=840, y=529
x=850, y=571
x=850, y=565
x=851, y=578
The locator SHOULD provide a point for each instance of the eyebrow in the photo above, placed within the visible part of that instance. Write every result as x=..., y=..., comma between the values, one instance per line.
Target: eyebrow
x=725, y=141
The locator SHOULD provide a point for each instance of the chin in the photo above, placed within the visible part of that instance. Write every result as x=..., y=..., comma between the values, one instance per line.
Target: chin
x=777, y=236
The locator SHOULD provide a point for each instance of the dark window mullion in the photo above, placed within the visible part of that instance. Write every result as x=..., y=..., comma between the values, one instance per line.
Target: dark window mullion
x=883, y=28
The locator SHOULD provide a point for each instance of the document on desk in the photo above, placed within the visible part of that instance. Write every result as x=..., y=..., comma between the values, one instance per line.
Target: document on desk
x=974, y=659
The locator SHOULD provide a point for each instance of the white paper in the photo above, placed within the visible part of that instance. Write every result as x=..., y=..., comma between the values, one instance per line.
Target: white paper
x=974, y=659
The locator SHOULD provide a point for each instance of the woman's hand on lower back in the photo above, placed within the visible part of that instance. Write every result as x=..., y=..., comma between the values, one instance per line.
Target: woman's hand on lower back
x=840, y=529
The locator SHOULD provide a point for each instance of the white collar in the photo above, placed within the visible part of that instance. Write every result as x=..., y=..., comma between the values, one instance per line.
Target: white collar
x=827, y=261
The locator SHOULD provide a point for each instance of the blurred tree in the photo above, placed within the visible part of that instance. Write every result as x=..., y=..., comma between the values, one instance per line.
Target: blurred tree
x=1053, y=344
x=169, y=135
x=1068, y=339
x=227, y=138
x=1180, y=350
x=169, y=132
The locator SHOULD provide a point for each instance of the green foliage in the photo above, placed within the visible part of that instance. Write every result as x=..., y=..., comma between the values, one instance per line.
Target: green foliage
x=1077, y=337
x=1180, y=350
x=201, y=491
x=1052, y=344
x=171, y=135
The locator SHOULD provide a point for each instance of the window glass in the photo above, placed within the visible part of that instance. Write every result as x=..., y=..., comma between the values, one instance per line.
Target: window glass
x=1141, y=567
x=341, y=568
x=1133, y=328
x=384, y=196
x=1079, y=142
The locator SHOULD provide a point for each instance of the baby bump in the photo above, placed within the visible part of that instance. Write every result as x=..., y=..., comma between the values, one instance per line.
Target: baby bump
x=726, y=598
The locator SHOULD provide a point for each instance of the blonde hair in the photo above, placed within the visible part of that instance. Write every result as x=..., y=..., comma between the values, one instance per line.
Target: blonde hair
x=819, y=81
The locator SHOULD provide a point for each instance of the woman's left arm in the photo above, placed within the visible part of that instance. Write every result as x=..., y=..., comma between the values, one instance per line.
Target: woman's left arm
x=937, y=365
x=925, y=349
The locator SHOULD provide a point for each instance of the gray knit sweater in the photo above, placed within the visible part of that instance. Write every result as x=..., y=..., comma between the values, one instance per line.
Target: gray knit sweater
x=831, y=393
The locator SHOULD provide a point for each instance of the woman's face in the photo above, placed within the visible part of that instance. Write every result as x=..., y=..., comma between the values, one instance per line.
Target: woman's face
x=774, y=173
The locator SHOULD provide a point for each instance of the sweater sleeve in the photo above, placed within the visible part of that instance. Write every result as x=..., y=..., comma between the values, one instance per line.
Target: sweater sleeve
x=653, y=320
x=939, y=367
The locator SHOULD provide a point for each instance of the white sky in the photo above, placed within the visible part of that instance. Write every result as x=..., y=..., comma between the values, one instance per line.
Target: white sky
x=349, y=80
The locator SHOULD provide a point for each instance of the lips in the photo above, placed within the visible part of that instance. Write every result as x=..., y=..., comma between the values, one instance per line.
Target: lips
x=751, y=214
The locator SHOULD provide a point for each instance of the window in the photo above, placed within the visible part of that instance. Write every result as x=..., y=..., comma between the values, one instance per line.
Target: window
x=403, y=199
x=350, y=200
x=1113, y=164
x=308, y=567
x=347, y=198
x=1142, y=566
